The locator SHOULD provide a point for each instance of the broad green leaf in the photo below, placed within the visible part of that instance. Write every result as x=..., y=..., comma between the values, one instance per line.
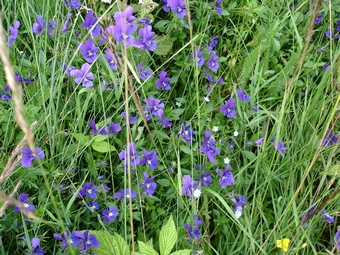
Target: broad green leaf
x=110, y=244
x=182, y=252
x=164, y=45
x=146, y=249
x=100, y=138
x=102, y=146
x=185, y=149
x=249, y=155
x=334, y=170
x=81, y=138
x=167, y=237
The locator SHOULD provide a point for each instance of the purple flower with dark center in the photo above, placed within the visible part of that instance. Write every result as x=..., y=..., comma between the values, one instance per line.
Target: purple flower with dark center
x=94, y=130
x=74, y=4
x=110, y=214
x=29, y=156
x=280, y=147
x=68, y=239
x=113, y=127
x=242, y=96
x=111, y=59
x=154, y=106
x=132, y=119
x=319, y=18
x=5, y=96
x=65, y=26
x=122, y=31
x=218, y=7
x=178, y=7
x=166, y=7
x=150, y=159
x=89, y=23
x=149, y=186
x=88, y=189
x=143, y=74
x=213, y=62
x=198, y=56
x=190, y=187
x=94, y=206
x=193, y=232
x=186, y=132
x=163, y=82
x=226, y=177
x=89, y=51
x=330, y=139
x=208, y=147
x=134, y=158
x=83, y=76
x=19, y=78
x=67, y=68
x=88, y=241
x=39, y=25
x=229, y=108
x=146, y=41
x=13, y=32
x=27, y=205
x=36, y=250
x=206, y=179
x=125, y=194
x=51, y=27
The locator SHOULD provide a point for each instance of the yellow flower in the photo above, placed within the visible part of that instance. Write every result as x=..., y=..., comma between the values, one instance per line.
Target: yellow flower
x=283, y=244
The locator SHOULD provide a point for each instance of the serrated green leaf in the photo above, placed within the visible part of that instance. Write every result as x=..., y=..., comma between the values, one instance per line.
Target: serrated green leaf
x=167, y=237
x=185, y=149
x=146, y=249
x=110, y=244
x=164, y=45
x=182, y=252
x=81, y=138
x=102, y=147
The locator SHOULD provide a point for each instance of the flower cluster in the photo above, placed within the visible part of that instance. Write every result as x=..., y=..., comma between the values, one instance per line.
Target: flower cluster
x=81, y=240
x=193, y=231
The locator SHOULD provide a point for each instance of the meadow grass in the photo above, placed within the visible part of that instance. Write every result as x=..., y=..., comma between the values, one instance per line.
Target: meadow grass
x=276, y=51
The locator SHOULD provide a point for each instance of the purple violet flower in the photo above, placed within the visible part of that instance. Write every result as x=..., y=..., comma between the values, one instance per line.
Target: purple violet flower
x=125, y=194
x=178, y=7
x=111, y=59
x=193, y=232
x=36, y=250
x=206, y=179
x=95, y=130
x=154, y=106
x=239, y=201
x=190, y=187
x=149, y=186
x=6, y=96
x=163, y=82
x=89, y=23
x=186, y=132
x=132, y=119
x=68, y=239
x=19, y=79
x=74, y=4
x=242, y=96
x=134, y=158
x=259, y=141
x=143, y=74
x=218, y=7
x=13, y=32
x=213, y=43
x=88, y=189
x=83, y=76
x=150, y=159
x=27, y=205
x=208, y=147
x=110, y=214
x=226, y=177
x=327, y=217
x=51, y=27
x=29, y=156
x=213, y=62
x=88, y=240
x=319, y=18
x=39, y=25
x=89, y=50
x=94, y=206
x=330, y=139
x=198, y=56
x=337, y=239
x=326, y=66
x=66, y=68
x=280, y=147
x=166, y=7
x=65, y=26
x=113, y=127
x=146, y=41
x=229, y=108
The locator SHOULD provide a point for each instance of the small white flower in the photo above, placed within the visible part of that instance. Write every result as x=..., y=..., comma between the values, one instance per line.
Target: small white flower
x=226, y=161
x=207, y=99
x=196, y=193
x=238, y=214
x=215, y=129
x=178, y=104
x=106, y=1
x=235, y=133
